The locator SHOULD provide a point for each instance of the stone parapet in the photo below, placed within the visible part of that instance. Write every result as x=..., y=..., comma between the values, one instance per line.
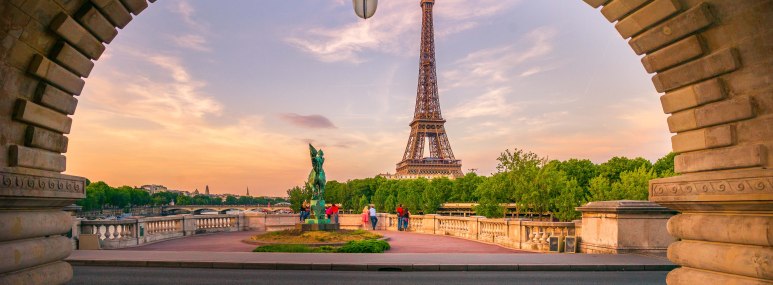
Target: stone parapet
x=625, y=227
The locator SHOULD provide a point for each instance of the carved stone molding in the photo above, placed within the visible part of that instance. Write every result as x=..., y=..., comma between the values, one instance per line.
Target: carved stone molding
x=714, y=187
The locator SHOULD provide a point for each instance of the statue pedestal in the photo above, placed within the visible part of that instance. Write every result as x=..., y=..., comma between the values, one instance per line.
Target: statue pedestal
x=312, y=225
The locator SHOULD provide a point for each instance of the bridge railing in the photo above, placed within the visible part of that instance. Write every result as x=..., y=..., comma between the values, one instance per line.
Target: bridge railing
x=113, y=234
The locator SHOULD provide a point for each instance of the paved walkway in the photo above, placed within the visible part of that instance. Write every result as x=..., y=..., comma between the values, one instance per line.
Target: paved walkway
x=371, y=261
x=401, y=242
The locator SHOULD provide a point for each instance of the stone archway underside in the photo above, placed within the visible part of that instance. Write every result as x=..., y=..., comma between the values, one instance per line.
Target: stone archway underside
x=712, y=59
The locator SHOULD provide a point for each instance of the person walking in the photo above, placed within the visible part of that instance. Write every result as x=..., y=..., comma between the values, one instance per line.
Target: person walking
x=400, y=211
x=373, y=218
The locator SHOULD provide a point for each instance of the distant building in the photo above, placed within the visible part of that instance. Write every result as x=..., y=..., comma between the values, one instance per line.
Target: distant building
x=153, y=188
x=206, y=190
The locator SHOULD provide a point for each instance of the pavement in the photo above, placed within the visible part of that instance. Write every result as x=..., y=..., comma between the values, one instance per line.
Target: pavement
x=371, y=261
x=410, y=252
x=84, y=275
x=401, y=242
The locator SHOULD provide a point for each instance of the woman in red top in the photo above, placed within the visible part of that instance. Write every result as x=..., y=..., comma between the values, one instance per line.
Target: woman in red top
x=334, y=213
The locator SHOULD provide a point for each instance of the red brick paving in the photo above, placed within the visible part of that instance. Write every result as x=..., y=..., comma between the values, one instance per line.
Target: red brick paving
x=401, y=242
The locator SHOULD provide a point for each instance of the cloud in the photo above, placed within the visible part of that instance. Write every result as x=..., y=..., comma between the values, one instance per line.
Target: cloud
x=491, y=103
x=195, y=39
x=195, y=42
x=394, y=29
x=309, y=121
x=500, y=64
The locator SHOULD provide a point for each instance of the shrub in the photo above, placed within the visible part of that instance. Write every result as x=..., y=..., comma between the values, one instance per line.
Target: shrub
x=364, y=246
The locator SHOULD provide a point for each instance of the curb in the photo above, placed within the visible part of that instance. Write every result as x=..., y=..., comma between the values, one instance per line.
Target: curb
x=375, y=266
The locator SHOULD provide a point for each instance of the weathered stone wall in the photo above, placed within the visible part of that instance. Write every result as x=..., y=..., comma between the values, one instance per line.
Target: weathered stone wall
x=711, y=59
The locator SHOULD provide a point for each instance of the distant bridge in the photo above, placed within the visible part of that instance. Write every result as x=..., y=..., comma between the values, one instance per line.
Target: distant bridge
x=197, y=209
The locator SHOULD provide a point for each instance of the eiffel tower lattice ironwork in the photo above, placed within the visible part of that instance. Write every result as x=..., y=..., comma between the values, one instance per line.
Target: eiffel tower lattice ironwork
x=428, y=125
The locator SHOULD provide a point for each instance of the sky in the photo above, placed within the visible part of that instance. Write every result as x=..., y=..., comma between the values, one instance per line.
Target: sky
x=229, y=93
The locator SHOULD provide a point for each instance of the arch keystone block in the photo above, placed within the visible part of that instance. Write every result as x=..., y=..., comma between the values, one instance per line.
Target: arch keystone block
x=723, y=158
x=692, y=96
x=114, y=11
x=596, y=3
x=35, y=114
x=56, y=75
x=75, y=34
x=135, y=6
x=98, y=25
x=48, y=140
x=72, y=59
x=647, y=16
x=703, y=139
x=672, y=55
x=710, y=115
x=37, y=159
x=713, y=65
x=618, y=9
x=672, y=30
x=56, y=99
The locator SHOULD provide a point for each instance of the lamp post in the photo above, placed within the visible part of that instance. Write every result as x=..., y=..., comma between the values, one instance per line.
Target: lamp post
x=365, y=8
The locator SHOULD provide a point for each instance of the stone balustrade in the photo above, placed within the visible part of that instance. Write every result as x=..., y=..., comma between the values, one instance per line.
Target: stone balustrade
x=114, y=234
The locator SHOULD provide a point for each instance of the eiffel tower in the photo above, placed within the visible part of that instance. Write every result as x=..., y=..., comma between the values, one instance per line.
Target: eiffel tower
x=428, y=123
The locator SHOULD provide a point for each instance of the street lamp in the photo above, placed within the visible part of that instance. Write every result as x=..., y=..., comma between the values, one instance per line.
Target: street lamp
x=365, y=8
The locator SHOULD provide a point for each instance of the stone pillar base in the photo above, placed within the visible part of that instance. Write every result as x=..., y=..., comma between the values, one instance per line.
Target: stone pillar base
x=725, y=226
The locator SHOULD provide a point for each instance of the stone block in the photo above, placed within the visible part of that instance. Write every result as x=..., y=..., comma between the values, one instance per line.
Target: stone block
x=707, y=67
x=738, y=229
x=35, y=114
x=646, y=17
x=596, y=3
x=21, y=254
x=703, y=139
x=98, y=25
x=677, y=53
x=52, y=273
x=41, y=11
x=75, y=34
x=56, y=75
x=72, y=59
x=20, y=55
x=755, y=130
x=29, y=224
x=713, y=114
x=672, y=30
x=135, y=6
x=56, y=99
x=114, y=11
x=744, y=260
x=617, y=9
x=718, y=159
x=36, y=158
x=689, y=276
x=692, y=96
x=624, y=227
x=38, y=37
x=71, y=6
x=48, y=140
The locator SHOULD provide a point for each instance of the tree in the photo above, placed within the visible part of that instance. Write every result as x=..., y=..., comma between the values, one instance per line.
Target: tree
x=664, y=167
x=464, y=187
x=492, y=192
x=616, y=165
x=600, y=189
x=582, y=170
x=297, y=196
x=231, y=200
x=437, y=192
x=634, y=185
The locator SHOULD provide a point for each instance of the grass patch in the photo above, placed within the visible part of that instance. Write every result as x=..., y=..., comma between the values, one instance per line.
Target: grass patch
x=307, y=237
x=293, y=248
x=360, y=246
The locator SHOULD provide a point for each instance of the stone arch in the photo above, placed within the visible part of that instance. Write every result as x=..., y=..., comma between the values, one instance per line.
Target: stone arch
x=711, y=59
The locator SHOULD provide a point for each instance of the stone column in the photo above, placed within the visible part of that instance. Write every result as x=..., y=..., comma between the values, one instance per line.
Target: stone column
x=33, y=227
x=625, y=227
x=429, y=223
x=725, y=228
